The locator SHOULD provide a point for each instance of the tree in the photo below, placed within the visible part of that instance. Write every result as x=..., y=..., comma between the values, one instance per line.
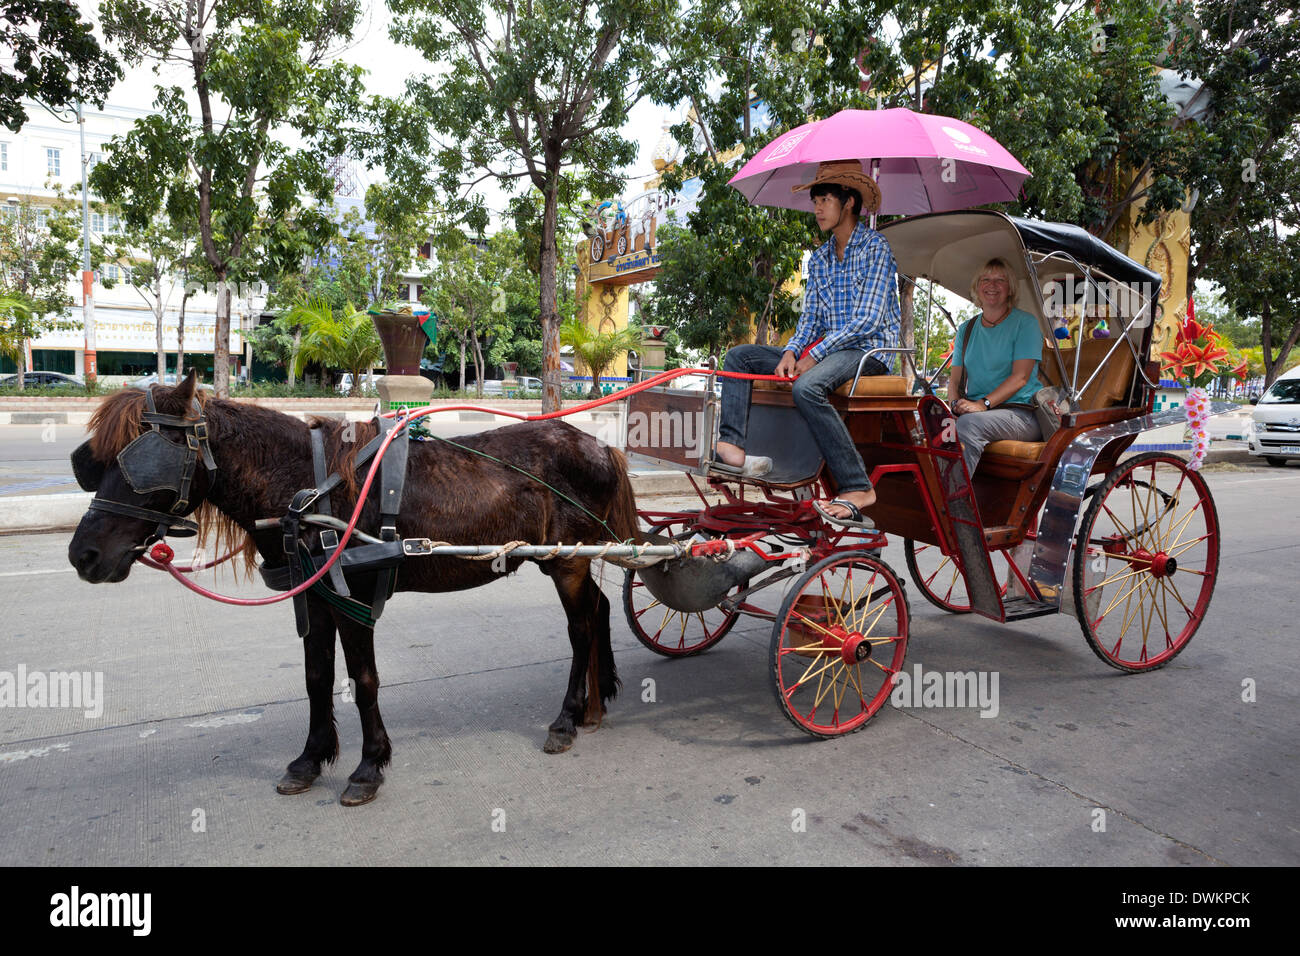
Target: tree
x=154, y=256
x=265, y=64
x=337, y=339
x=530, y=89
x=470, y=294
x=39, y=256
x=597, y=350
x=1243, y=170
x=51, y=57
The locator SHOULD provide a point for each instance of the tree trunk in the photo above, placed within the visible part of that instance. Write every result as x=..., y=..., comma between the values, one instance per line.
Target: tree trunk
x=293, y=356
x=461, y=336
x=479, y=368
x=180, y=337
x=158, y=312
x=221, y=345
x=551, y=375
x=907, y=317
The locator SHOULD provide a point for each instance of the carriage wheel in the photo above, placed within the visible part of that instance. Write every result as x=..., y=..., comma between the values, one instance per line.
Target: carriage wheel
x=667, y=631
x=837, y=643
x=939, y=579
x=620, y=244
x=597, y=248
x=1146, y=559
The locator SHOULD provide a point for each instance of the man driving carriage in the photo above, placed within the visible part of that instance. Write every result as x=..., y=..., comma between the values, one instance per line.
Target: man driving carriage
x=851, y=307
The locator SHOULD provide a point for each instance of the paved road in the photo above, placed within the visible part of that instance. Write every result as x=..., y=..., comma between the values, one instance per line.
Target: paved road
x=203, y=706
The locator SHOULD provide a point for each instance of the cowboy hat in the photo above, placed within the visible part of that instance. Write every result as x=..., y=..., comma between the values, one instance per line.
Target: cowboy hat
x=846, y=172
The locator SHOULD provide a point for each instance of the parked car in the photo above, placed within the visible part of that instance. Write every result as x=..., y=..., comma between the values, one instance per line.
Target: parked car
x=1275, y=423
x=369, y=384
x=528, y=383
x=45, y=380
x=145, y=381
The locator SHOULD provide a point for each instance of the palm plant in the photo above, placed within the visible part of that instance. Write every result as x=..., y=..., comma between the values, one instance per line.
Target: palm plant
x=15, y=314
x=597, y=350
x=345, y=340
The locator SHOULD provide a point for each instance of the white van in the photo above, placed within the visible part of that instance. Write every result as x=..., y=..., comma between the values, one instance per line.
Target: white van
x=1275, y=423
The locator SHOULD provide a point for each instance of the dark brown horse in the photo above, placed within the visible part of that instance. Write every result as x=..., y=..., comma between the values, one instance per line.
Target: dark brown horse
x=263, y=458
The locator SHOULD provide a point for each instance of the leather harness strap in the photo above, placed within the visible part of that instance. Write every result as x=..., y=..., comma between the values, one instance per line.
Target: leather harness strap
x=381, y=558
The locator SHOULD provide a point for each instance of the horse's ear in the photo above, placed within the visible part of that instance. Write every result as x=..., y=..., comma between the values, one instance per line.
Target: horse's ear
x=88, y=471
x=185, y=390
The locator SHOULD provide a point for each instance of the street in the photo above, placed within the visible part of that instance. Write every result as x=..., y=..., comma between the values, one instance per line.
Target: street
x=203, y=706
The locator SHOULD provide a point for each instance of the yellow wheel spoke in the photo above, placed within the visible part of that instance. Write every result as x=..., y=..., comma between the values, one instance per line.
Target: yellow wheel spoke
x=1178, y=596
x=1119, y=597
x=1188, y=544
x=1117, y=576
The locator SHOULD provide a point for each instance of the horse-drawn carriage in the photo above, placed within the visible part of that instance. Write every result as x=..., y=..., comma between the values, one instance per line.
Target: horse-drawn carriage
x=1133, y=554
x=1129, y=547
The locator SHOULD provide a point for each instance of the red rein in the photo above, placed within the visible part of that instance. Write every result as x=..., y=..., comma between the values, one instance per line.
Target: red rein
x=161, y=554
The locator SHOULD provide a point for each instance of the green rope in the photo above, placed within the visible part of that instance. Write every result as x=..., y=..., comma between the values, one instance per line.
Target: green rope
x=554, y=490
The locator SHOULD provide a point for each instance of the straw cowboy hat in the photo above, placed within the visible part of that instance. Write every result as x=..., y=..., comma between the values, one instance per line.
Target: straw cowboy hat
x=847, y=172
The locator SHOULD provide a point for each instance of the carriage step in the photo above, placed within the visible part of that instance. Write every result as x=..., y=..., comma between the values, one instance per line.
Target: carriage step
x=1017, y=609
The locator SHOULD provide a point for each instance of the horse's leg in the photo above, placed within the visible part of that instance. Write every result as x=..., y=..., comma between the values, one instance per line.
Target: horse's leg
x=587, y=609
x=359, y=651
x=322, y=735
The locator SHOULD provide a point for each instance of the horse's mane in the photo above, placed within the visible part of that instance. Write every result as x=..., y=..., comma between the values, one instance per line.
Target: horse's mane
x=116, y=423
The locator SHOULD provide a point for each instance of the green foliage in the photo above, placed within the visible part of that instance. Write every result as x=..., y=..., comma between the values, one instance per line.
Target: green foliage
x=344, y=339
x=481, y=294
x=597, y=350
x=51, y=56
x=259, y=73
x=523, y=95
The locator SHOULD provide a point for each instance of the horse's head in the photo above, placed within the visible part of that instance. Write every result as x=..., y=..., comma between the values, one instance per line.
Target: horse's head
x=149, y=464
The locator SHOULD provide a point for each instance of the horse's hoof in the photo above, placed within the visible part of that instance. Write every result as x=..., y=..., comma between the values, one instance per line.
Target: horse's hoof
x=358, y=793
x=292, y=783
x=557, y=743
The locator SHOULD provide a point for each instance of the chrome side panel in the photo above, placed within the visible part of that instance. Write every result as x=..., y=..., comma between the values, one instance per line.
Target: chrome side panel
x=1064, y=504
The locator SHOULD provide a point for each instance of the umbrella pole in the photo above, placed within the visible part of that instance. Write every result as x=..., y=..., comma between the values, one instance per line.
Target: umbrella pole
x=875, y=176
x=925, y=353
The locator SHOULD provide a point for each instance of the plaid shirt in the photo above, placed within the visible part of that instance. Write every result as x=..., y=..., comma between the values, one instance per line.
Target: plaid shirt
x=851, y=304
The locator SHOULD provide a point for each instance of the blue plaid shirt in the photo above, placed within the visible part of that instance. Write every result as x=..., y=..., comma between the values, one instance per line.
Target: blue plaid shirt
x=852, y=304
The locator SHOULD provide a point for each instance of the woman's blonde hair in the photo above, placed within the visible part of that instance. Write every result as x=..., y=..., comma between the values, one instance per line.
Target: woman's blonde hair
x=995, y=265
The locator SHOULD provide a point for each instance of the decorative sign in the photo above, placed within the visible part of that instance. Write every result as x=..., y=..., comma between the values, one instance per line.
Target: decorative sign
x=121, y=330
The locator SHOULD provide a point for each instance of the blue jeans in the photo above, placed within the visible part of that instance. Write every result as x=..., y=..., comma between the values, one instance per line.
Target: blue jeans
x=811, y=396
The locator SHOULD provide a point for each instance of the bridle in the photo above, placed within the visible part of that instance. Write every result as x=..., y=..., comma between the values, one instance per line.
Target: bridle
x=152, y=463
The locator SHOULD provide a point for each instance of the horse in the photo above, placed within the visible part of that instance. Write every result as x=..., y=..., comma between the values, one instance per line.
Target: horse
x=256, y=459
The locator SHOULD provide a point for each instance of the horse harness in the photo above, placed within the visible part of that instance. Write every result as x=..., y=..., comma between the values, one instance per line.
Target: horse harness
x=151, y=463
x=383, y=556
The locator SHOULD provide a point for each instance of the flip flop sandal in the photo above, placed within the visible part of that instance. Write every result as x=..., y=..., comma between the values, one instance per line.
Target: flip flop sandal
x=855, y=518
x=755, y=466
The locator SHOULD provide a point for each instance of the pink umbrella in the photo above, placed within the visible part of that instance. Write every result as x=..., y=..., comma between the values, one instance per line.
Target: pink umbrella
x=925, y=163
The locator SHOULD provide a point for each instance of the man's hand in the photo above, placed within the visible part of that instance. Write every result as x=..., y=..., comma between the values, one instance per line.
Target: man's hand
x=788, y=367
x=804, y=364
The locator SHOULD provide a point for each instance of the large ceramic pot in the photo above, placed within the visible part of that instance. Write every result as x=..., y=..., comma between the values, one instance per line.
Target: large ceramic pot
x=403, y=341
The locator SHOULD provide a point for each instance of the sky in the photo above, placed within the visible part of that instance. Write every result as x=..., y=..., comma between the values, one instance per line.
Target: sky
x=389, y=65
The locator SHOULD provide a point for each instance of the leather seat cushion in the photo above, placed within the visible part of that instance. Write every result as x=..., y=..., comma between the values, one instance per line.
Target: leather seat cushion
x=867, y=385
x=1028, y=450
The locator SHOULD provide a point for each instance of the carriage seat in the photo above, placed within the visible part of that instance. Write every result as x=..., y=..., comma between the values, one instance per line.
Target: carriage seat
x=868, y=385
x=1109, y=388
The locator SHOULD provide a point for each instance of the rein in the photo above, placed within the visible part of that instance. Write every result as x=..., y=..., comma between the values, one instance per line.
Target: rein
x=160, y=555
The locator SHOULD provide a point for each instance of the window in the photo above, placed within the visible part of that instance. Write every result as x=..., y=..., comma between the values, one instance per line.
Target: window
x=42, y=218
x=93, y=160
x=110, y=223
x=112, y=272
x=52, y=166
x=97, y=222
x=4, y=157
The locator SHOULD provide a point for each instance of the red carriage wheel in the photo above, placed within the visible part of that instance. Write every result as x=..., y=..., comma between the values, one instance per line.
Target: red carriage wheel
x=667, y=631
x=938, y=577
x=837, y=643
x=1146, y=559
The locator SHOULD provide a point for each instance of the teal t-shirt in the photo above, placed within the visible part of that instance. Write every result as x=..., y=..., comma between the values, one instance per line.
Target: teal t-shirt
x=990, y=352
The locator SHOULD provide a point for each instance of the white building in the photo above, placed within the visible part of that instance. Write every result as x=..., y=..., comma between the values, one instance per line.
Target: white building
x=47, y=150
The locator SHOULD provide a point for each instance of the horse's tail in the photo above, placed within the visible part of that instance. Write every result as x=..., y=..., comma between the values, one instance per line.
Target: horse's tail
x=621, y=518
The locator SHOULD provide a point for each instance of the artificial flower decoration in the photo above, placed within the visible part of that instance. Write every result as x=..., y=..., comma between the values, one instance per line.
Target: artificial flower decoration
x=1198, y=357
